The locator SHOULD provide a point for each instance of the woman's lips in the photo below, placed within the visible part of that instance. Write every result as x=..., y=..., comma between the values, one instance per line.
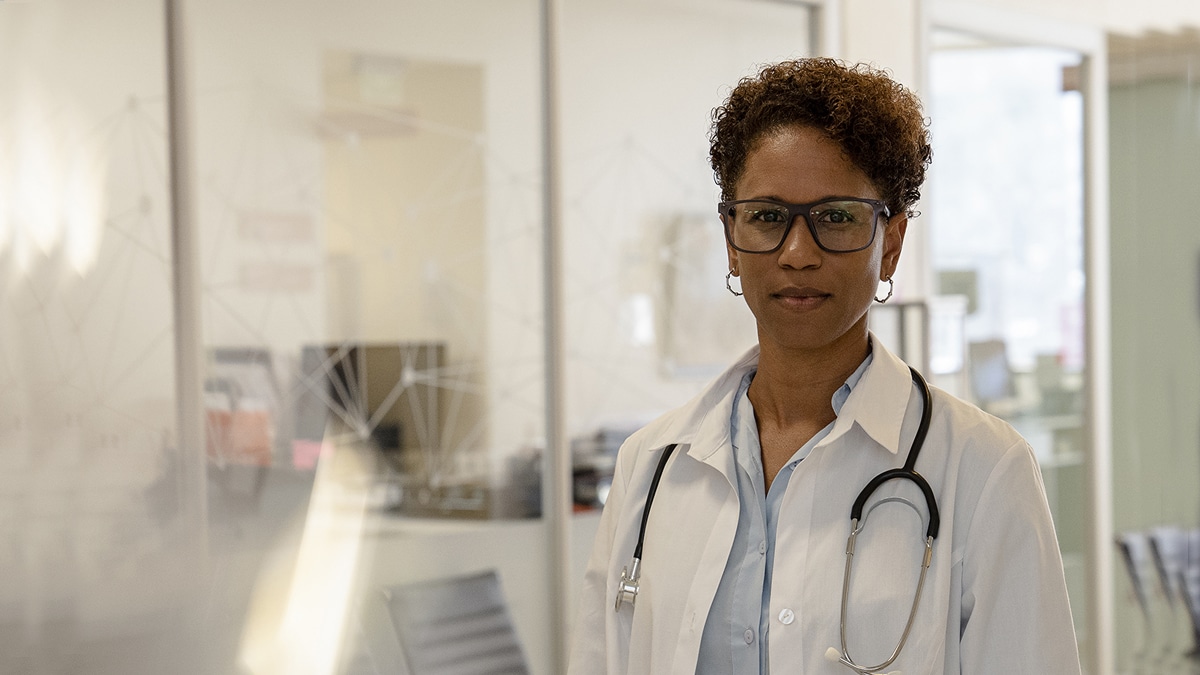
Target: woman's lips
x=801, y=298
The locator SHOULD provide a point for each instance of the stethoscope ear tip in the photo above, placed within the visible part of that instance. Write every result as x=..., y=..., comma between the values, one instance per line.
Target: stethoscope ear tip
x=832, y=655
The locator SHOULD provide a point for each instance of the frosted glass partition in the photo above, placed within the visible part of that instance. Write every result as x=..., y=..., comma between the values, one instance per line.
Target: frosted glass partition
x=95, y=552
x=648, y=318
x=369, y=207
x=1006, y=230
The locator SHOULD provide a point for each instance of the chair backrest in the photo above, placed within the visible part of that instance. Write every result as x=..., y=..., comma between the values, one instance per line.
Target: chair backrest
x=456, y=626
x=1190, y=583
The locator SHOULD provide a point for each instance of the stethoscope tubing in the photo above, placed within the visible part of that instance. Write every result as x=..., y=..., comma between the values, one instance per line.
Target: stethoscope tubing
x=630, y=576
x=658, y=472
x=630, y=583
x=907, y=472
x=857, y=522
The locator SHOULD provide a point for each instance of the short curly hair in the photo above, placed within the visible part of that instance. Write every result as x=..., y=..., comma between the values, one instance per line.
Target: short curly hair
x=877, y=122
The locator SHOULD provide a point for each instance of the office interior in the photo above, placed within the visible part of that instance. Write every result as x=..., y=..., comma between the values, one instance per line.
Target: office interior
x=316, y=316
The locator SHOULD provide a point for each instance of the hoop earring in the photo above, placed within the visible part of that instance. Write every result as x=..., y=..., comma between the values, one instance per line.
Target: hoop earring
x=891, y=287
x=729, y=286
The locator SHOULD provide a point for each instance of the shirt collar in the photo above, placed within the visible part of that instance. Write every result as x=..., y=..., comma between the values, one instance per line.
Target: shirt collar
x=741, y=401
x=744, y=429
x=877, y=401
x=843, y=392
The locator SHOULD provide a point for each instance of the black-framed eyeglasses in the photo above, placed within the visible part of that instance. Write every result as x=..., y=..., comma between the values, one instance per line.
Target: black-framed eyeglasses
x=838, y=224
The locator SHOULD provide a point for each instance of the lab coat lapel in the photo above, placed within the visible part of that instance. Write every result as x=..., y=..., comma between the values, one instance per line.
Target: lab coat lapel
x=695, y=531
x=714, y=526
x=878, y=403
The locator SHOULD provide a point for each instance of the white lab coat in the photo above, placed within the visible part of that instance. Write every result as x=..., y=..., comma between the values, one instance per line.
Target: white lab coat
x=995, y=599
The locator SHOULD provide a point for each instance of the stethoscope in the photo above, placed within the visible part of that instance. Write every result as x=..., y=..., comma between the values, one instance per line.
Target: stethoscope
x=630, y=584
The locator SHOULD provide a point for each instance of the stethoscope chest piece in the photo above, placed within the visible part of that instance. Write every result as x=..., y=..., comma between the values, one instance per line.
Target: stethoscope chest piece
x=627, y=589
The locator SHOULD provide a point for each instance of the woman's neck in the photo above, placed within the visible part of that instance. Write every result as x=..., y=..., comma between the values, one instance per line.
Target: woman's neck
x=797, y=386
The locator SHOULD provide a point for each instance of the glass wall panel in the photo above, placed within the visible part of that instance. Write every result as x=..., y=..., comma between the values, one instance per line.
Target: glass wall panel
x=1155, y=162
x=1006, y=229
x=648, y=318
x=647, y=313
x=98, y=561
x=369, y=207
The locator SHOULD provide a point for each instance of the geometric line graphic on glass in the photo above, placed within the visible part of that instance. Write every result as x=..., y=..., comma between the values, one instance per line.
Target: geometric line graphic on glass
x=382, y=391
x=93, y=307
x=625, y=208
x=374, y=388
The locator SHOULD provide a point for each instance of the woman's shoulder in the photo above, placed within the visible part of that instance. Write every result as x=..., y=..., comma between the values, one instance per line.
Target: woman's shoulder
x=982, y=465
x=977, y=435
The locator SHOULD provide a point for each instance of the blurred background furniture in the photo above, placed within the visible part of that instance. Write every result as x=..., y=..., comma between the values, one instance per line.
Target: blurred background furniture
x=456, y=626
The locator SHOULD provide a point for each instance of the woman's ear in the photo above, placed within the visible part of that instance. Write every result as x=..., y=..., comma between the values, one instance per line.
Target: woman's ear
x=893, y=242
x=733, y=259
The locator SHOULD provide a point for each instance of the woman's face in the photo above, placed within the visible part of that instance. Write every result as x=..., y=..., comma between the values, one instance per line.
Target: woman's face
x=805, y=298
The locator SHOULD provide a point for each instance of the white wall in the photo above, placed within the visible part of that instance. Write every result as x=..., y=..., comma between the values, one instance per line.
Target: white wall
x=1118, y=16
x=890, y=34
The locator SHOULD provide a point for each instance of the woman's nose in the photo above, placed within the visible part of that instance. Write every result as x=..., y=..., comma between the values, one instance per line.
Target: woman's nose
x=799, y=249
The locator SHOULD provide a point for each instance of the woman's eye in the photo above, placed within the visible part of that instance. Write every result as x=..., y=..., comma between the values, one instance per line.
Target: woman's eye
x=835, y=216
x=768, y=216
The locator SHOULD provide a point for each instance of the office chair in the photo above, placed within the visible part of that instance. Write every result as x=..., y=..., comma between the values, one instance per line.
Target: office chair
x=456, y=626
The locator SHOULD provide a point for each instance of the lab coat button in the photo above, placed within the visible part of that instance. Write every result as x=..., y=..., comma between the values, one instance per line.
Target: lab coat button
x=762, y=547
x=787, y=616
x=749, y=636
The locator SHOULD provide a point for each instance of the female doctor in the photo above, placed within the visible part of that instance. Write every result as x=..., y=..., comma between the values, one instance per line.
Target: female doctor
x=739, y=563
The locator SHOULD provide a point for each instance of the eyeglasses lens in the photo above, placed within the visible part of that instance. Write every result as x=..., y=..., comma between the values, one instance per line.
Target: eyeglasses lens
x=843, y=225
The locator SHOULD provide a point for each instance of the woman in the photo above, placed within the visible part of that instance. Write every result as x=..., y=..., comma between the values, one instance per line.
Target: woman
x=744, y=557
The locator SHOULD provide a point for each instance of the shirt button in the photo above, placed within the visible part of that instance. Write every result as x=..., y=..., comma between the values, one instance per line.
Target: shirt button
x=749, y=636
x=762, y=547
x=786, y=617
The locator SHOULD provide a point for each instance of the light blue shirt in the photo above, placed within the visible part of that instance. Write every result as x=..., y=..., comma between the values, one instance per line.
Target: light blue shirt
x=735, y=633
